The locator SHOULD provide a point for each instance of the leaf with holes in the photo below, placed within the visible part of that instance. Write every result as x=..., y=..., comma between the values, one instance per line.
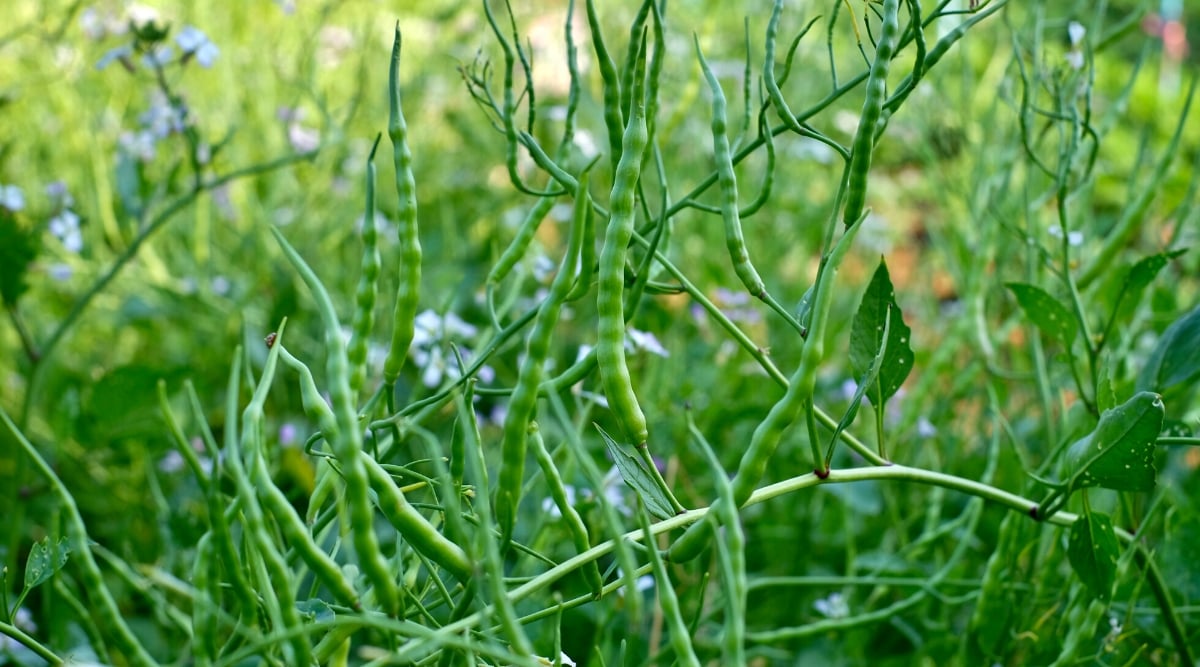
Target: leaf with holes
x=1045, y=311
x=1119, y=454
x=45, y=558
x=879, y=316
x=1176, y=358
x=1092, y=550
x=635, y=474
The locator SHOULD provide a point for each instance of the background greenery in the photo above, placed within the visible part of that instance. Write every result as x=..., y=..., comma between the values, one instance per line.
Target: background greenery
x=958, y=211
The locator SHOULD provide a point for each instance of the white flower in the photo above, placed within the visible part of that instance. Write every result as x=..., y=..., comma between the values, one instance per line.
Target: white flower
x=65, y=227
x=833, y=606
x=586, y=144
x=642, y=340
x=1075, y=59
x=12, y=197
x=640, y=585
x=1075, y=32
x=140, y=15
x=613, y=489
x=92, y=24
x=925, y=428
x=1073, y=238
x=551, y=508
x=220, y=285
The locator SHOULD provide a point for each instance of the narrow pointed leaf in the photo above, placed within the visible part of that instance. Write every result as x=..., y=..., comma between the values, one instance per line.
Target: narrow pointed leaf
x=635, y=474
x=1119, y=454
x=867, y=336
x=1093, y=551
x=1053, y=318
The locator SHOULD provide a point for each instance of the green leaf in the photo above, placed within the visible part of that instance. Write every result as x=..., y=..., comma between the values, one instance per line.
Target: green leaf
x=44, y=560
x=1119, y=454
x=1146, y=270
x=18, y=249
x=635, y=474
x=871, y=324
x=1053, y=318
x=865, y=383
x=1092, y=550
x=1176, y=358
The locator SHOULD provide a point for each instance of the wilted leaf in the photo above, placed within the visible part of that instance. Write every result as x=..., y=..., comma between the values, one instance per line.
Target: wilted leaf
x=1093, y=551
x=1119, y=454
x=633, y=471
x=879, y=315
x=1053, y=318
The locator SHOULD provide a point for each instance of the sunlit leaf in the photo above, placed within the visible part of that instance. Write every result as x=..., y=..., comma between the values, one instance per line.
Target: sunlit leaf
x=1053, y=318
x=1119, y=454
x=633, y=471
x=1092, y=550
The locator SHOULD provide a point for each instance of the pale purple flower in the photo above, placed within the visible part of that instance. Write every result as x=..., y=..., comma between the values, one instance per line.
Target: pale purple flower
x=141, y=145
x=61, y=272
x=220, y=285
x=643, y=340
x=124, y=53
x=193, y=42
x=59, y=195
x=172, y=462
x=925, y=428
x=287, y=434
x=158, y=56
x=303, y=139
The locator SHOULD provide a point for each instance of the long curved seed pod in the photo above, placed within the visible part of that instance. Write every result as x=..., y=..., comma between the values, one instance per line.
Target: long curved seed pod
x=409, y=283
x=364, y=311
x=523, y=405
x=610, y=343
x=727, y=180
x=344, y=436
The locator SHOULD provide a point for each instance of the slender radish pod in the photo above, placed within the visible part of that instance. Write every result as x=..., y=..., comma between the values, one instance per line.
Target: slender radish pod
x=408, y=289
x=523, y=405
x=864, y=136
x=610, y=342
x=796, y=400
